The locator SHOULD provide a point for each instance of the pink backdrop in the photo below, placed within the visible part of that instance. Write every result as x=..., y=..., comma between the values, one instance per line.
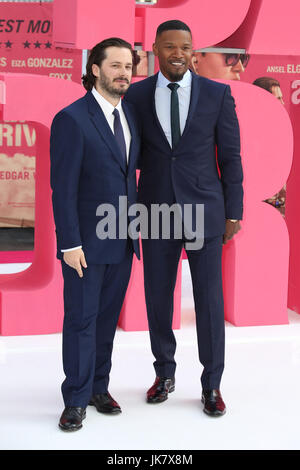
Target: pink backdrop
x=30, y=301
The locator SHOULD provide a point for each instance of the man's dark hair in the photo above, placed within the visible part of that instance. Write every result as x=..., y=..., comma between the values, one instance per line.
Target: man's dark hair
x=266, y=82
x=172, y=25
x=97, y=55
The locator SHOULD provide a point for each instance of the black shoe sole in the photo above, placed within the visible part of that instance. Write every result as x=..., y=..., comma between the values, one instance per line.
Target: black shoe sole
x=216, y=414
x=115, y=411
x=171, y=389
x=66, y=429
x=69, y=429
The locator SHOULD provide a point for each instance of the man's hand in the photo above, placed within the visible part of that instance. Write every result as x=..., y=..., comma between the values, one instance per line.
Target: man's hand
x=231, y=228
x=75, y=259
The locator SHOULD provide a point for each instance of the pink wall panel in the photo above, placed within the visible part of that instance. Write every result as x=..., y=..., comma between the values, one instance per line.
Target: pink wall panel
x=292, y=215
x=23, y=101
x=133, y=316
x=277, y=28
x=242, y=37
x=256, y=260
x=91, y=21
x=31, y=301
x=211, y=21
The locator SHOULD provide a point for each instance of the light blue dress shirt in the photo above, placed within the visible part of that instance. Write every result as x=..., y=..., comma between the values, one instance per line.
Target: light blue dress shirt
x=163, y=102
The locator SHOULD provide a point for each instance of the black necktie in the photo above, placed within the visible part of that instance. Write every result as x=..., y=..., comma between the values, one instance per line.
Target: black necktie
x=119, y=134
x=175, y=121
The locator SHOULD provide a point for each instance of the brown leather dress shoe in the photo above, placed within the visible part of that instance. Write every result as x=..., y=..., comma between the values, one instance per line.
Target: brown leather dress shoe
x=105, y=403
x=160, y=389
x=213, y=403
x=71, y=418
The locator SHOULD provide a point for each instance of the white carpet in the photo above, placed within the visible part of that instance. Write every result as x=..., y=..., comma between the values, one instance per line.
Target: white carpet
x=261, y=386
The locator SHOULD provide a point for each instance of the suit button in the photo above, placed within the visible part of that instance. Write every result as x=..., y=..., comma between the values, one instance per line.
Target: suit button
x=173, y=159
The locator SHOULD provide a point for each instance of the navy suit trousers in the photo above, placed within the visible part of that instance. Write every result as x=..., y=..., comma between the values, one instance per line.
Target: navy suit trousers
x=92, y=307
x=161, y=259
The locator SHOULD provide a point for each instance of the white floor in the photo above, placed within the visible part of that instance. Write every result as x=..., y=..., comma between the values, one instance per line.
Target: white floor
x=261, y=388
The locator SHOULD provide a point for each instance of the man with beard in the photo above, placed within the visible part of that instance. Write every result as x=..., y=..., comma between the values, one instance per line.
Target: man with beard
x=94, y=150
x=184, y=117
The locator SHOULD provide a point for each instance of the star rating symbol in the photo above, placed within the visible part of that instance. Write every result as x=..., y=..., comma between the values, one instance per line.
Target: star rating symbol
x=26, y=44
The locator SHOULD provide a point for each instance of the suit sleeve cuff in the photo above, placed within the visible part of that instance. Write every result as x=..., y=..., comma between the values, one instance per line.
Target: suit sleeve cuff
x=71, y=249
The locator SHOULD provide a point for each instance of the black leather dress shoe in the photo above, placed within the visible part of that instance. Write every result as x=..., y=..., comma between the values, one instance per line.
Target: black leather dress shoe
x=105, y=403
x=213, y=403
x=71, y=418
x=160, y=389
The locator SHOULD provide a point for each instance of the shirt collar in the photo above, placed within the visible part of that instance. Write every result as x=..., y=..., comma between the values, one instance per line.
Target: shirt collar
x=105, y=105
x=186, y=81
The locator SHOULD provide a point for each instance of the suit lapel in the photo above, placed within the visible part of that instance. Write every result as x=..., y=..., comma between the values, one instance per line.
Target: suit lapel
x=154, y=110
x=132, y=127
x=195, y=93
x=102, y=126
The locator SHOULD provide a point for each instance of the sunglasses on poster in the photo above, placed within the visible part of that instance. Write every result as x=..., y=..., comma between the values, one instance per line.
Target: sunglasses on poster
x=233, y=59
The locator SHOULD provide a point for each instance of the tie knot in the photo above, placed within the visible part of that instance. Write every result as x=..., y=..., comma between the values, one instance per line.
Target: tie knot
x=173, y=86
x=116, y=113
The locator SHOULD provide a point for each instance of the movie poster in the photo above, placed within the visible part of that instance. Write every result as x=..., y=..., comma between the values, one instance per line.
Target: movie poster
x=26, y=47
x=277, y=75
x=26, y=43
x=17, y=174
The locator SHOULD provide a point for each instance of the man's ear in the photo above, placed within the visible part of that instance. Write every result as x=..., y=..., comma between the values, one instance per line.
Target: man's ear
x=154, y=49
x=96, y=70
x=194, y=63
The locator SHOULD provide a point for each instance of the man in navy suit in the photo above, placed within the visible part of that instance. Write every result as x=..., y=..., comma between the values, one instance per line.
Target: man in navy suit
x=94, y=150
x=184, y=119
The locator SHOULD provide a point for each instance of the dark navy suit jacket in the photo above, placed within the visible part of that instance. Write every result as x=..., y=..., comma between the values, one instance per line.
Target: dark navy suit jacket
x=205, y=165
x=87, y=170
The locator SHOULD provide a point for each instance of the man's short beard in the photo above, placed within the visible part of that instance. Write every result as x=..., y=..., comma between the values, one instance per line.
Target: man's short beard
x=175, y=77
x=113, y=92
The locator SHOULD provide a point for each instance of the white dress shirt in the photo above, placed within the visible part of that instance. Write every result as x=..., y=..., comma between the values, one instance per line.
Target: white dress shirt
x=163, y=102
x=108, y=109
